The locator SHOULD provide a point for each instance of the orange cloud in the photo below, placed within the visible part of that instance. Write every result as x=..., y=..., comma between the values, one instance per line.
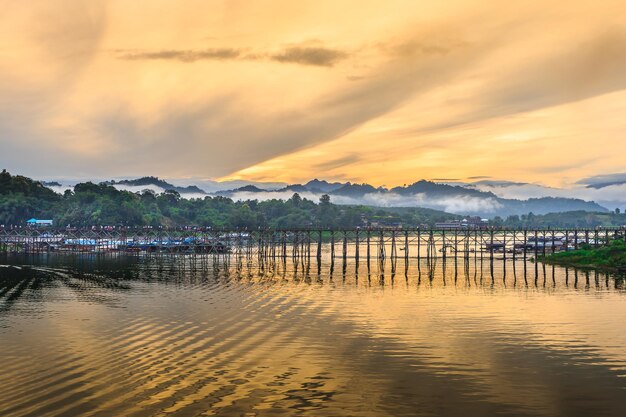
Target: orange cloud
x=282, y=90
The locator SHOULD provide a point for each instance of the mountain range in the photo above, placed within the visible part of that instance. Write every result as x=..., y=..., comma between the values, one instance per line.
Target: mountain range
x=482, y=198
x=458, y=199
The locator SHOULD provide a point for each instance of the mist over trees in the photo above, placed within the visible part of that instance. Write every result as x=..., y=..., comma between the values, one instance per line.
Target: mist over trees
x=101, y=204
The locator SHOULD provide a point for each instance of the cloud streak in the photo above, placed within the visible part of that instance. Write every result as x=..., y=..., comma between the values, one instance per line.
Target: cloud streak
x=304, y=55
x=183, y=55
x=318, y=56
x=600, y=181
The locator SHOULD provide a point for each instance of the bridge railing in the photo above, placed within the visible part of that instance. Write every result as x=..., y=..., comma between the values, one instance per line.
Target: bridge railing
x=354, y=243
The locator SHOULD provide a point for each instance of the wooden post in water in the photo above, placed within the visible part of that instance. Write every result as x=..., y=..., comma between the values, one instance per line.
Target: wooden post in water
x=308, y=246
x=443, y=245
x=345, y=246
x=419, y=245
x=356, y=246
x=476, y=244
x=504, y=241
x=249, y=247
x=406, y=247
x=432, y=250
x=319, y=247
x=466, y=245
x=514, y=248
x=368, y=246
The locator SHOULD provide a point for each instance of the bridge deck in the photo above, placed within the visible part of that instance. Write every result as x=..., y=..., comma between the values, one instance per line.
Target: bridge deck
x=308, y=243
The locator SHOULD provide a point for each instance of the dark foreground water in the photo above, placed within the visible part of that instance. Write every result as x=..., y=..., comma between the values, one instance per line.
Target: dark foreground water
x=88, y=336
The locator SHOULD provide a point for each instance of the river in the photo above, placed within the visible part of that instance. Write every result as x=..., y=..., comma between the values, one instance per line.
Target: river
x=120, y=335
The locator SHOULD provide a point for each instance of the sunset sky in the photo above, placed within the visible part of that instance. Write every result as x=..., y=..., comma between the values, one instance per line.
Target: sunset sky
x=383, y=92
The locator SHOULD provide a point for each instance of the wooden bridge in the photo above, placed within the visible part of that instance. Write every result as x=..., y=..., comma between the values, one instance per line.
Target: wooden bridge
x=366, y=243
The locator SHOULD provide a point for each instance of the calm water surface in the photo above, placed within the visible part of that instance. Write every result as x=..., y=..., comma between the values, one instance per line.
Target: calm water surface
x=89, y=336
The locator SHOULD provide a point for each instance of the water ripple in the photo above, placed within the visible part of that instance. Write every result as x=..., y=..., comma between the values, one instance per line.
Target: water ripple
x=191, y=336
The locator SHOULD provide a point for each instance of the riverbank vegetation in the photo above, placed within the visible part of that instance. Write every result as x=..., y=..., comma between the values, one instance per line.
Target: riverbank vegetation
x=100, y=204
x=567, y=219
x=611, y=256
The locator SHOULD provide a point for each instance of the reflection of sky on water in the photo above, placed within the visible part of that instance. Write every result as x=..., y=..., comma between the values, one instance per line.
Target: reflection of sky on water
x=162, y=336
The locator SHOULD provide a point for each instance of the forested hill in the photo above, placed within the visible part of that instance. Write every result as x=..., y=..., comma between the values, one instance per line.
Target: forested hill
x=90, y=204
x=166, y=186
x=433, y=195
x=101, y=204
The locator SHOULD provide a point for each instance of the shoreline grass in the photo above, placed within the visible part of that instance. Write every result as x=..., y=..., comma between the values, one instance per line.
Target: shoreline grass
x=609, y=257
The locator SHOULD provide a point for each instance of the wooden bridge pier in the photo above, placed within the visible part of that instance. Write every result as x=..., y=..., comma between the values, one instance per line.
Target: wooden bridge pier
x=266, y=246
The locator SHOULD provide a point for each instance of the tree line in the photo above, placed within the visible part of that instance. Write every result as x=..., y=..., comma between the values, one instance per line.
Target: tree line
x=90, y=204
x=573, y=219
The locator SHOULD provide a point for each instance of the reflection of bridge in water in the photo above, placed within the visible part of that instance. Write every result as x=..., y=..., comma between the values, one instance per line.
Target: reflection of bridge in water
x=272, y=244
x=117, y=270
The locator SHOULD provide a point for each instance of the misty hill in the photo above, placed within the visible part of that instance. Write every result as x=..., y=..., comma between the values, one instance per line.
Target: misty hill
x=426, y=194
x=156, y=182
x=296, y=188
x=356, y=190
x=549, y=205
x=433, y=189
x=420, y=203
x=451, y=198
x=316, y=185
x=245, y=189
x=100, y=204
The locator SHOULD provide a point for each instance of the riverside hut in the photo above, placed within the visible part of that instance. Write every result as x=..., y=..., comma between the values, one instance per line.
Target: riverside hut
x=38, y=223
